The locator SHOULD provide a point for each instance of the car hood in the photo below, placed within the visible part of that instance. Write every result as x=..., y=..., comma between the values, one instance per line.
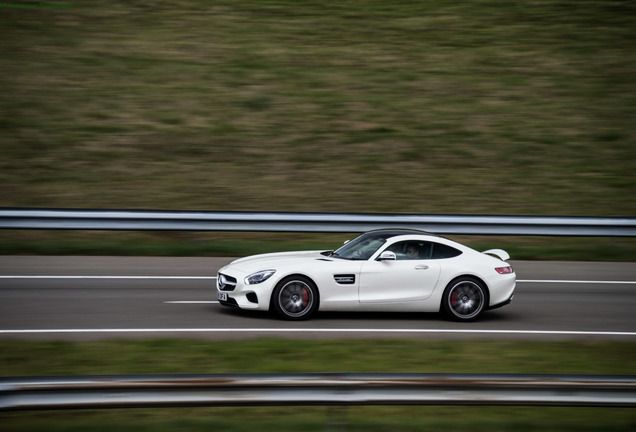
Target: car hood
x=274, y=260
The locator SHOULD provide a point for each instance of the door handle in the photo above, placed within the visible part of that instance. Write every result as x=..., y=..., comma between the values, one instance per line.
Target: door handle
x=421, y=267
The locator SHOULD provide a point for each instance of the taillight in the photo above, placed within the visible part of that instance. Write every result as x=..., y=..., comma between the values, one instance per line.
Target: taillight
x=504, y=270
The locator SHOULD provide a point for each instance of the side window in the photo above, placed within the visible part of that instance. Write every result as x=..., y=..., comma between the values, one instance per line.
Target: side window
x=441, y=251
x=411, y=250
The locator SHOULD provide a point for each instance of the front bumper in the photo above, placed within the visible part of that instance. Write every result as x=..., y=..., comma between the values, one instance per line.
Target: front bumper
x=232, y=284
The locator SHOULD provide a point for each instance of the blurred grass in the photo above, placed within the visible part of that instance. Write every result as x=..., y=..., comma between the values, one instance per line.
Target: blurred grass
x=293, y=419
x=102, y=243
x=426, y=107
x=272, y=355
x=20, y=358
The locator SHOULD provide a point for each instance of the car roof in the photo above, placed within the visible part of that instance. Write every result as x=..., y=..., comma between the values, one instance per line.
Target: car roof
x=393, y=232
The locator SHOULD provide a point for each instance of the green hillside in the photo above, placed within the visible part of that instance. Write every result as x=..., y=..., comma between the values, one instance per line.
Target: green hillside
x=356, y=106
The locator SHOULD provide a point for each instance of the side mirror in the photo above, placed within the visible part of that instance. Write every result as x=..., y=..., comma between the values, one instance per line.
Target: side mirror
x=387, y=256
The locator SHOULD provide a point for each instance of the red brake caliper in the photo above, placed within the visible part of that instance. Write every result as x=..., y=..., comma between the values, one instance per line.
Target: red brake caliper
x=305, y=297
x=454, y=299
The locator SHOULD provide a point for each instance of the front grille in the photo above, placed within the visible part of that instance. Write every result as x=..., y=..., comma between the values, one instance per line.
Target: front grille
x=225, y=282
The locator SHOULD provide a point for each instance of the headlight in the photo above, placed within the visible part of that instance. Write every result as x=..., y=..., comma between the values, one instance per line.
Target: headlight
x=258, y=277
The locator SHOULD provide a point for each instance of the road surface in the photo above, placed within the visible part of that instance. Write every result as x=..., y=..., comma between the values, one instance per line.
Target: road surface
x=83, y=298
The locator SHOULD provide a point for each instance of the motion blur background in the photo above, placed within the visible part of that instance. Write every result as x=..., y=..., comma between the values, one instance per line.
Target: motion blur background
x=481, y=107
x=430, y=106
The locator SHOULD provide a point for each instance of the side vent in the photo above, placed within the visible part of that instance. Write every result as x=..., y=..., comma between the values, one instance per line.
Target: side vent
x=345, y=279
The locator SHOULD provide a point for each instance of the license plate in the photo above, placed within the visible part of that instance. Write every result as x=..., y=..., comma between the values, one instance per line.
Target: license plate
x=222, y=296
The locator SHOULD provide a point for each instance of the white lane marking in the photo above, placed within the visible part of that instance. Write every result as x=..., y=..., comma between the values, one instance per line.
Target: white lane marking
x=322, y=330
x=110, y=277
x=576, y=281
x=191, y=302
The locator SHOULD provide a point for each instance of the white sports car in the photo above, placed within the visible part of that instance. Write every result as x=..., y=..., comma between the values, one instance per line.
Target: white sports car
x=383, y=270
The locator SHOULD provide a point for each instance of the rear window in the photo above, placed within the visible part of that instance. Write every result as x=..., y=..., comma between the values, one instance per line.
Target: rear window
x=441, y=251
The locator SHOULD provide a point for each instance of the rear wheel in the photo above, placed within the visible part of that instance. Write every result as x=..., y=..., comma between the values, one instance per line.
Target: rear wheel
x=465, y=299
x=295, y=298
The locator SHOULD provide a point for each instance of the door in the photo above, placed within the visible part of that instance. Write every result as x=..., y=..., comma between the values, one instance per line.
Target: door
x=412, y=276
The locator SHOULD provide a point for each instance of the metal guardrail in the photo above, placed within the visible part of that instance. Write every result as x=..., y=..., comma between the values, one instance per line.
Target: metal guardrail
x=313, y=222
x=316, y=389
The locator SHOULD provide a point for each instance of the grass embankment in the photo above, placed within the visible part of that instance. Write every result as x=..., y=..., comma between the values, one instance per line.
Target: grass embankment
x=241, y=244
x=296, y=356
x=424, y=107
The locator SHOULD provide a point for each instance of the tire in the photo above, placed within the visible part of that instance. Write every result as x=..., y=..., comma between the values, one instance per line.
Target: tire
x=295, y=298
x=465, y=299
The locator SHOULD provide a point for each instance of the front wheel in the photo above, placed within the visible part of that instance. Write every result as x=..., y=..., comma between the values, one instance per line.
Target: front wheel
x=295, y=298
x=464, y=299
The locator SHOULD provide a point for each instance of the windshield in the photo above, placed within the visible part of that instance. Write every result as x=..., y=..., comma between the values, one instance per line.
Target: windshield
x=363, y=247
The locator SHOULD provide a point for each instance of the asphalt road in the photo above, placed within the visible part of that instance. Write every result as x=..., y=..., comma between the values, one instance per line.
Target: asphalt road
x=81, y=298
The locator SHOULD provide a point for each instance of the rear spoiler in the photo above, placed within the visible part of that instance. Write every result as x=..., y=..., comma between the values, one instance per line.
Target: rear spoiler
x=499, y=253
